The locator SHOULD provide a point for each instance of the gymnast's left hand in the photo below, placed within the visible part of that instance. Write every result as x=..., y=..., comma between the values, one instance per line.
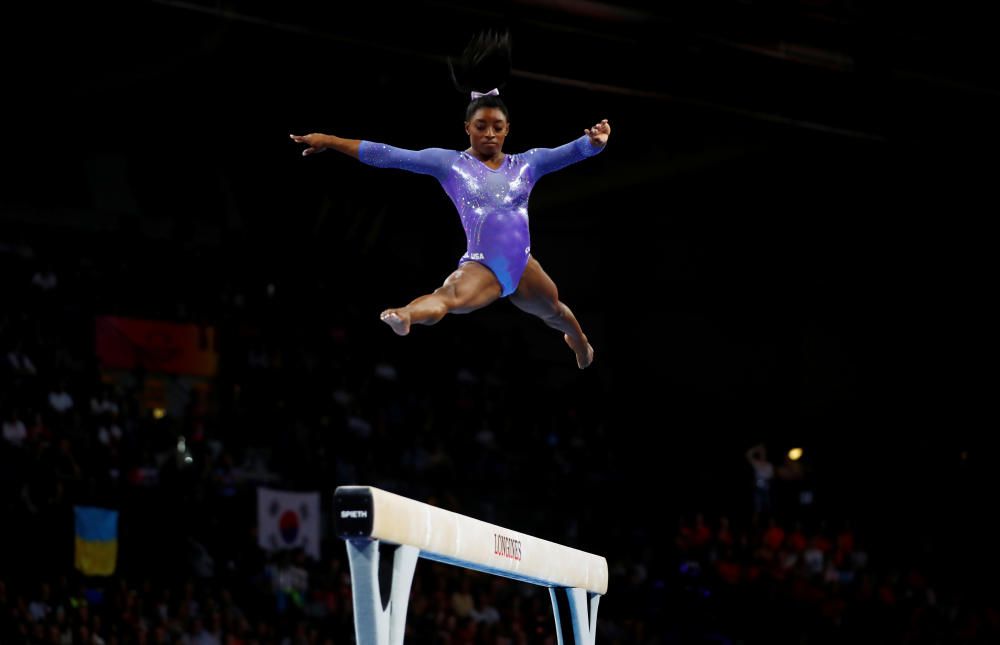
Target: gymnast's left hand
x=599, y=133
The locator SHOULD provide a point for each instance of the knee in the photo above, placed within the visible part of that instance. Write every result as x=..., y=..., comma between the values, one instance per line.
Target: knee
x=447, y=298
x=554, y=310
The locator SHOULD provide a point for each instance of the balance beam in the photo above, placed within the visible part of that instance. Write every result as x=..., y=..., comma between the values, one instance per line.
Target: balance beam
x=386, y=533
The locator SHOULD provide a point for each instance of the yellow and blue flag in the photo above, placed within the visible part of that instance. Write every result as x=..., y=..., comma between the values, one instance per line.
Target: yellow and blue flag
x=96, y=540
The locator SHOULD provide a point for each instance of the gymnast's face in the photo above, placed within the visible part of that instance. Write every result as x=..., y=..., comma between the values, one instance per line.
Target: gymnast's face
x=487, y=130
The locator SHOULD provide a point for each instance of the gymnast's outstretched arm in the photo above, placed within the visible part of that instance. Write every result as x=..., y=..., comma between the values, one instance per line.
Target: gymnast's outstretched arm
x=318, y=142
x=548, y=160
x=431, y=161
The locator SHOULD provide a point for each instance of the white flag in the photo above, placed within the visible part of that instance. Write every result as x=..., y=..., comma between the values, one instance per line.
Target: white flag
x=288, y=521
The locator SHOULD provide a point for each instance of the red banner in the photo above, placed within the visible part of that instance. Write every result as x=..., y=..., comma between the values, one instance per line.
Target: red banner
x=173, y=348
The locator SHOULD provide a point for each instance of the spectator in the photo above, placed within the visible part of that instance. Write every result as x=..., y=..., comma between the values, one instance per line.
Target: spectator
x=60, y=400
x=20, y=363
x=14, y=431
x=763, y=473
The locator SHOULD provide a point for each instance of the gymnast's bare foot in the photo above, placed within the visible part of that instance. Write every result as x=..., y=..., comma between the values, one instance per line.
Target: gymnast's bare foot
x=584, y=352
x=398, y=320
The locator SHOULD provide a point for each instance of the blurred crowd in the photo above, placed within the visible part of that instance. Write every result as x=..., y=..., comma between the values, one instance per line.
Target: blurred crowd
x=308, y=398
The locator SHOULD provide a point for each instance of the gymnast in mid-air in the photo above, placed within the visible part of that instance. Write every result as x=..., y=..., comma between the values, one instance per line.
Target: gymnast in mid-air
x=490, y=189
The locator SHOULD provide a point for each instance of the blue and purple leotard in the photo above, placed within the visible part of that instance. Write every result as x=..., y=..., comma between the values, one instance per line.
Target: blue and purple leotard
x=493, y=204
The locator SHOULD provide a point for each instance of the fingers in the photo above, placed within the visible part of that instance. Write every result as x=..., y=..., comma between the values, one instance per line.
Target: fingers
x=601, y=128
x=304, y=139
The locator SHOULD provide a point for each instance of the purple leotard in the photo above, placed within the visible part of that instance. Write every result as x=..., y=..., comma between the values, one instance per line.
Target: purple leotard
x=493, y=204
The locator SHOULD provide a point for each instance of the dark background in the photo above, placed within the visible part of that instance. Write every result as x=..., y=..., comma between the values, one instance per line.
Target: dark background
x=785, y=240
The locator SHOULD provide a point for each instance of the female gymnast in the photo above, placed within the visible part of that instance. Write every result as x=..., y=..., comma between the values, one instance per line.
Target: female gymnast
x=490, y=189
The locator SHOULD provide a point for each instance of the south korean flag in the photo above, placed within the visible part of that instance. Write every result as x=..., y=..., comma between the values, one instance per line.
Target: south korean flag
x=288, y=521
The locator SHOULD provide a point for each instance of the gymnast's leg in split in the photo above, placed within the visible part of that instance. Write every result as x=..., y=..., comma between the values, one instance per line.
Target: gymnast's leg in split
x=470, y=287
x=537, y=294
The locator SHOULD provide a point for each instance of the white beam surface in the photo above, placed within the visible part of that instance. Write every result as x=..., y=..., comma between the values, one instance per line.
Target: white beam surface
x=457, y=539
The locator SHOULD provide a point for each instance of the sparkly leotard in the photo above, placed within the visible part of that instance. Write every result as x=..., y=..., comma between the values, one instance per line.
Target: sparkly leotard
x=493, y=204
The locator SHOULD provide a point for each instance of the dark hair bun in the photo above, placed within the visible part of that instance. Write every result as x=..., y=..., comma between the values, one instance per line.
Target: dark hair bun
x=484, y=64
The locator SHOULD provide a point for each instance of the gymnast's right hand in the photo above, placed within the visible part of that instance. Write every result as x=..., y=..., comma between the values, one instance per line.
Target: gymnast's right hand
x=317, y=142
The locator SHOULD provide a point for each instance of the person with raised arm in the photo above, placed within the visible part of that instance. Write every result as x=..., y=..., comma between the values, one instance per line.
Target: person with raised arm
x=490, y=189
